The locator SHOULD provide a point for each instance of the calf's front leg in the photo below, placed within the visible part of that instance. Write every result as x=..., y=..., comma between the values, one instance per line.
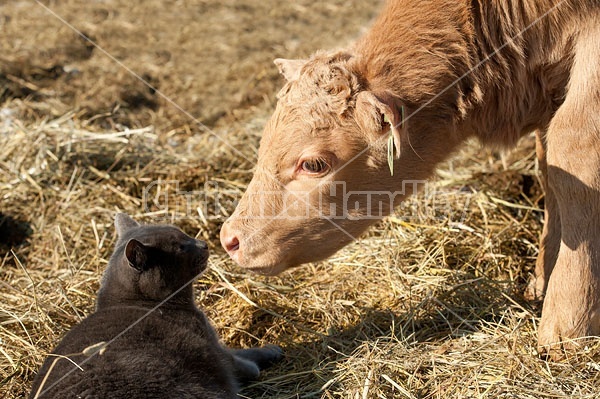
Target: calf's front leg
x=572, y=303
x=550, y=238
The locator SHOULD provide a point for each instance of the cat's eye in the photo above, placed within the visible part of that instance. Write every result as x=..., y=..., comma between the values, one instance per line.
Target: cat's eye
x=178, y=246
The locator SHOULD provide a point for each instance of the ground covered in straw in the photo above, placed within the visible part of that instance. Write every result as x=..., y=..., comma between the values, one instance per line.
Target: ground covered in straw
x=428, y=304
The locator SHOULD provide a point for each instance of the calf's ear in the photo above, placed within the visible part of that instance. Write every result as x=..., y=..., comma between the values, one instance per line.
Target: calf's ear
x=290, y=69
x=380, y=115
x=123, y=223
x=137, y=255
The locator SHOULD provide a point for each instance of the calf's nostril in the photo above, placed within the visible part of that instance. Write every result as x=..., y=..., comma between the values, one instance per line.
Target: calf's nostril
x=232, y=244
x=230, y=241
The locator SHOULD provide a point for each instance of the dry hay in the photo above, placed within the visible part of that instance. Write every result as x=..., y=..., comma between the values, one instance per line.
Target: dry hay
x=423, y=307
x=202, y=59
x=427, y=305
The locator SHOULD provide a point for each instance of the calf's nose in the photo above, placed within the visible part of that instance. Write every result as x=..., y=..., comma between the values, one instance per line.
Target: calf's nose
x=230, y=242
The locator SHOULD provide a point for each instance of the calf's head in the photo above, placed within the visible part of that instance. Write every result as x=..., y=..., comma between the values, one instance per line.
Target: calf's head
x=323, y=172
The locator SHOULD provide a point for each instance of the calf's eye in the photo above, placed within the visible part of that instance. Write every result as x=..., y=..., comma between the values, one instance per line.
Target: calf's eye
x=315, y=166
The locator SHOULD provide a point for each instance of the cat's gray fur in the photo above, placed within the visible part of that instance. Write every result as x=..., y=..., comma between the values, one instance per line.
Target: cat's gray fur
x=171, y=352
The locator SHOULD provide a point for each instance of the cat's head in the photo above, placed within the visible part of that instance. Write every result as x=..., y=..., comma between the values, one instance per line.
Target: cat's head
x=152, y=262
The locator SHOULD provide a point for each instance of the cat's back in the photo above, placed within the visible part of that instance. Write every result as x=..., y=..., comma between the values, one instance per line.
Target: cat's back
x=132, y=352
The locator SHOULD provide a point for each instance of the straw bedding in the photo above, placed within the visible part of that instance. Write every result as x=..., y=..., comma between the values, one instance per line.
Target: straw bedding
x=427, y=305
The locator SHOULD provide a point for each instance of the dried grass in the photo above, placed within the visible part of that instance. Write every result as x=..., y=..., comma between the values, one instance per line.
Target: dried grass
x=425, y=307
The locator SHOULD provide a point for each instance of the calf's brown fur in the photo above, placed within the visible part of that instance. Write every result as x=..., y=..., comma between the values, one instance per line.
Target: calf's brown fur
x=494, y=70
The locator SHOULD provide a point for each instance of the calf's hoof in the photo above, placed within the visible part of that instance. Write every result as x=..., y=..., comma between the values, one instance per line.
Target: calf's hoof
x=563, y=333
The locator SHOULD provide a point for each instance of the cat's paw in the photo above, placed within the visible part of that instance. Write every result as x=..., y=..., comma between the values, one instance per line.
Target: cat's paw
x=270, y=355
x=263, y=357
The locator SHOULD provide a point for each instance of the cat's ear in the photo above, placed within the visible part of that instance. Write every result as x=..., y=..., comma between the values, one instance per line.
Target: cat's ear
x=123, y=223
x=137, y=255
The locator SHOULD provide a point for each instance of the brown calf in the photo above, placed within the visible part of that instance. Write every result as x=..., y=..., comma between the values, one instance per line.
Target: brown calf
x=428, y=75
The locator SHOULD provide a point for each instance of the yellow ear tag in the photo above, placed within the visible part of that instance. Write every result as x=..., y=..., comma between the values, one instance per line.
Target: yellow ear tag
x=402, y=116
x=390, y=146
x=390, y=153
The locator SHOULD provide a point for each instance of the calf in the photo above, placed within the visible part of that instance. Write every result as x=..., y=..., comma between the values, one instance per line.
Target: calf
x=427, y=76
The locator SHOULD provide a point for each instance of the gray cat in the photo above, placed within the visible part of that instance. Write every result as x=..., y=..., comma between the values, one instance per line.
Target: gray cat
x=147, y=338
